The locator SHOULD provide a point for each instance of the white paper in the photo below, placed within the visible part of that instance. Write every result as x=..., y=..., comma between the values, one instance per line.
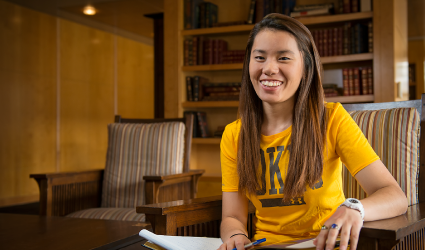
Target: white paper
x=302, y=245
x=182, y=242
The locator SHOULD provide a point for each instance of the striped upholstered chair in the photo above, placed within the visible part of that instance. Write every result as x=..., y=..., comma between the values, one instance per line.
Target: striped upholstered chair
x=147, y=162
x=393, y=130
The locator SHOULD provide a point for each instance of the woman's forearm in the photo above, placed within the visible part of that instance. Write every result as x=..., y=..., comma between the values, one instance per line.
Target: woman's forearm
x=386, y=202
x=231, y=226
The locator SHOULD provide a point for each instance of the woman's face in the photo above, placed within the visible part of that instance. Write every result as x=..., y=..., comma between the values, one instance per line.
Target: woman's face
x=276, y=66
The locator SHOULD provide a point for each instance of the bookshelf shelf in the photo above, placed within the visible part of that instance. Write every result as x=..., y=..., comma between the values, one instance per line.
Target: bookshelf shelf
x=305, y=20
x=235, y=104
x=335, y=18
x=212, y=67
x=218, y=30
x=351, y=99
x=347, y=58
x=211, y=104
x=206, y=140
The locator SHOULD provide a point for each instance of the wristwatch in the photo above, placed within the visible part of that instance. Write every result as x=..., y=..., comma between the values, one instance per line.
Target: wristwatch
x=354, y=204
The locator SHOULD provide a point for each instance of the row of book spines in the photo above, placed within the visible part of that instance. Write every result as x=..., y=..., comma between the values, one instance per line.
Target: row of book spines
x=264, y=7
x=200, y=128
x=201, y=51
x=353, y=6
x=349, y=39
x=199, y=14
x=357, y=81
x=199, y=89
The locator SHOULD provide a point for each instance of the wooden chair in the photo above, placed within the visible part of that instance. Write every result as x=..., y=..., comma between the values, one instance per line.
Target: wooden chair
x=72, y=192
x=202, y=216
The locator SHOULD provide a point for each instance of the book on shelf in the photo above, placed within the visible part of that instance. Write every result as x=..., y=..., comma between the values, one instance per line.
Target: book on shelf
x=370, y=80
x=357, y=81
x=189, y=90
x=202, y=124
x=353, y=6
x=345, y=85
x=191, y=14
x=346, y=39
x=326, y=9
x=370, y=36
x=228, y=91
x=364, y=81
x=199, y=14
x=331, y=89
x=251, y=12
x=198, y=82
x=265, y=7
x=350, y=81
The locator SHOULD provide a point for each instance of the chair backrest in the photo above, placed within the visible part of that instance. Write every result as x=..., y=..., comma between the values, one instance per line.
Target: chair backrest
x=393, y=130
x=139, y=147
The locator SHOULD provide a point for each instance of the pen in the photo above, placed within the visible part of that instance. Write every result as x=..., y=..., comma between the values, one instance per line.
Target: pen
x=253, y=243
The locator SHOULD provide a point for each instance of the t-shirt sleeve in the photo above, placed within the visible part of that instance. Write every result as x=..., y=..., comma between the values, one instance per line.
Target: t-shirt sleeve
x=228, y=155
x=351, y=145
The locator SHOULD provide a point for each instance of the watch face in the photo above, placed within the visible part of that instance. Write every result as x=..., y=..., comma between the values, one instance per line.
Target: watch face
x=353, y=201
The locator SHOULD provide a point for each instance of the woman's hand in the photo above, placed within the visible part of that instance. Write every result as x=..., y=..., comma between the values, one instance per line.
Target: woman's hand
x=237, y=241
x=346, y=221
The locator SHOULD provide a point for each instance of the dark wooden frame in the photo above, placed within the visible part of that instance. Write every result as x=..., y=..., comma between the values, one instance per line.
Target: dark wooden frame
x=64, y=193
x=202, y=216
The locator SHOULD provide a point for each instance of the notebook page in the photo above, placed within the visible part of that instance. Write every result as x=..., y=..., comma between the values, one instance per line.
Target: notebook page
x=182, y=242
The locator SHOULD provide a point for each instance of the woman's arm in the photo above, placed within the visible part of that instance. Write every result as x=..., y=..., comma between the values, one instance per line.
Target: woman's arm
x=234, y=219
x=385, y=199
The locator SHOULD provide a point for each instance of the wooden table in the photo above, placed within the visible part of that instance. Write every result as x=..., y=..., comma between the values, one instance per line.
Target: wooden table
x=19, y=231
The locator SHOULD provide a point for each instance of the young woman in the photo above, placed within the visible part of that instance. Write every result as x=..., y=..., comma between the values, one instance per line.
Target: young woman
x=284, y=154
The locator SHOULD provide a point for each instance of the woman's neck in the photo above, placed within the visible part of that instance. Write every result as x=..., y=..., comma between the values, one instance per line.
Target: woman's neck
x=277, y=117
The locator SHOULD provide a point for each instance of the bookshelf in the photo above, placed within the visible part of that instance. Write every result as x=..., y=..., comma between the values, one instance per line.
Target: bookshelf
x=388, y=59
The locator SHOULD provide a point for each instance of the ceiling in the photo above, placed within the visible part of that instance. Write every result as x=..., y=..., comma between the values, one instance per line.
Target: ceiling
x=119, y=16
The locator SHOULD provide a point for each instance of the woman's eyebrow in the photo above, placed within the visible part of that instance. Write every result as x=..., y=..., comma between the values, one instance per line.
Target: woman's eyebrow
x=278, y=52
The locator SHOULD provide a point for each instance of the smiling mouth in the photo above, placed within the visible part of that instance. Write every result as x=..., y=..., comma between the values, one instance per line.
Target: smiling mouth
x=271, y=83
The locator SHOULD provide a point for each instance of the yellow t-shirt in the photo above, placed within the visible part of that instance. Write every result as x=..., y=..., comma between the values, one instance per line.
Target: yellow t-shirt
x=303, y=216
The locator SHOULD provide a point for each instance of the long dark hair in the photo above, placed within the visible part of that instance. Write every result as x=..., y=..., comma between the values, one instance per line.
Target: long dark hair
x=308, y=136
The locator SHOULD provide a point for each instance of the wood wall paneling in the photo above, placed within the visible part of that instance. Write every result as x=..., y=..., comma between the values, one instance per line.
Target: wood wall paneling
x=173, y=57
x=135, y=77
x=86, y=95
x=417, y=56
x=95, y=79
x=401, y=60
x=27, y=100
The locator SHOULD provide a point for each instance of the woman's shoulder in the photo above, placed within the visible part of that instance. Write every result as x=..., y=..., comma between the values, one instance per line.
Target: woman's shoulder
x=333, y=107
x=234, y=127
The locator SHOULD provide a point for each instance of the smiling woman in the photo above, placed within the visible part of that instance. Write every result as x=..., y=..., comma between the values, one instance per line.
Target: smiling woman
x=297, y=193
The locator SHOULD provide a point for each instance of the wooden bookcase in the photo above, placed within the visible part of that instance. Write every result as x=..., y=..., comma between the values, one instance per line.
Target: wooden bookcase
x=389, y=62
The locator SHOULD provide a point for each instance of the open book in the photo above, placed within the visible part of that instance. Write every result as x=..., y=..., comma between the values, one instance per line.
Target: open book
x=300, y=244
x=180, y=242
x=161, y=242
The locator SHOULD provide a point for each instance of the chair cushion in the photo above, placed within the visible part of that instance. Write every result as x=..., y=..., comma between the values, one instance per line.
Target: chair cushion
x=394, y=135
x=105, y=213
x=136, y=150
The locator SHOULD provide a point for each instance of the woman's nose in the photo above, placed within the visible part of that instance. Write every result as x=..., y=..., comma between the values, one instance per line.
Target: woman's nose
x=270, y=68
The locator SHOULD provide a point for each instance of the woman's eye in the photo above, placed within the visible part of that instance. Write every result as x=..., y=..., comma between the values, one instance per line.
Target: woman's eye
x=259, y=58
x=284, y=58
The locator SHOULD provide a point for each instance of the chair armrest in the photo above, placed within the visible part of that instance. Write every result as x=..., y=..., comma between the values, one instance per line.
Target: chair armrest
x=172, y=187
x=67, y=192
x=194, y=217
x=389, y=232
